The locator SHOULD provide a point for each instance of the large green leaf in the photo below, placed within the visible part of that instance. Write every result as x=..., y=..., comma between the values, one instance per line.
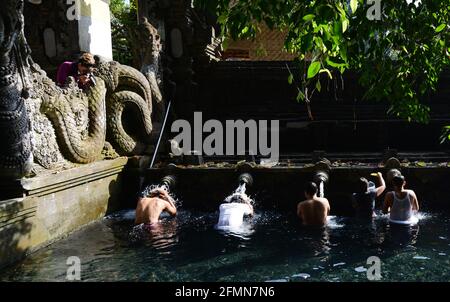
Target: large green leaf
x=309, y=17
x=353, y=5
x=440, y=28
x=313, y=69
x=344, y=25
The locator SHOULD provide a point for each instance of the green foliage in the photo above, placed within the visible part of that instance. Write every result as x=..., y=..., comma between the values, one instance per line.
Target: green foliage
x=123, y=20
x=398, y=58
x=313, y=69
x=445, y=134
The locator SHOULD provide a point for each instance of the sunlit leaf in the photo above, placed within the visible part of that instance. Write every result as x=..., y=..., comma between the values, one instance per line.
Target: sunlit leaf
x=308, y=17
x=353, y=5
x=421, y=164
x=344, y=25
x=440, y=28
x=327, y=71
x=313, y=69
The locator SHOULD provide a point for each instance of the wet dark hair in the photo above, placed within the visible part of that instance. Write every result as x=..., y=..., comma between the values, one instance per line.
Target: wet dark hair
x=311, y=188
x=154, y=194
x=398, y=181
x=157, y=194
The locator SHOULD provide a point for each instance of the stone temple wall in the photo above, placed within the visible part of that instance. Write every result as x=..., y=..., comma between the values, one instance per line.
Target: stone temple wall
x=51, y=36
x=59, y=162
x=58, y=32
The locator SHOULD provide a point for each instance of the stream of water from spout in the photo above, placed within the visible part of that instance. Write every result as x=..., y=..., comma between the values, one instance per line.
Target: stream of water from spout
x=321, y=190
x=241, y=189
x=239, y=193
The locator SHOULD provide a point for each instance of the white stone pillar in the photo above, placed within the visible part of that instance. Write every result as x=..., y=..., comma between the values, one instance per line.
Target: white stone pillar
x=94, y=28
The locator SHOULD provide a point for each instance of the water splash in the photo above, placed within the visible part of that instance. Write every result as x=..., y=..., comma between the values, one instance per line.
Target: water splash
x=421, y=216
x=333, y=222
x=239, y=195
x=321, y=190
x=149, y=189
x=241, y=189
x=245, y=230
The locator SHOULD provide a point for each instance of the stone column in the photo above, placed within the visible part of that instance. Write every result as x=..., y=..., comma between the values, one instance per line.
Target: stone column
x=94, y=28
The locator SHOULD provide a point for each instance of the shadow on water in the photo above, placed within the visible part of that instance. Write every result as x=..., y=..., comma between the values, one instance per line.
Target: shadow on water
x=14, y=228
x=116, y=195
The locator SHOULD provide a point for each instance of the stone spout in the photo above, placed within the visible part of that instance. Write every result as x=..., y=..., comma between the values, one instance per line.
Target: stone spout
x=246, y=178
x=169, y=182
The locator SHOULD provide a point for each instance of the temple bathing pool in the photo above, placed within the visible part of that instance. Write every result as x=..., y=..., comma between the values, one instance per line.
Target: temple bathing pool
x=273, y=247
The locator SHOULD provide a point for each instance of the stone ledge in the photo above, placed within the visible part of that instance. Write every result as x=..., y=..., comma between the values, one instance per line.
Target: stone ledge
x=42, y=185
x=54, y=205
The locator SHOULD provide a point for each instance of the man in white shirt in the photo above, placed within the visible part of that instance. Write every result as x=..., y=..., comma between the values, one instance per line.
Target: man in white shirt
x=233, y=210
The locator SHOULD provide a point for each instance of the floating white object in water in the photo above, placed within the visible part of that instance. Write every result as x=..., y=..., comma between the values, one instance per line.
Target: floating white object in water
x=361, y=269
x=442, y=254
x=442, y=238
x=301, y=275
x=277, y=280
x=421, y=257
x=339, y=264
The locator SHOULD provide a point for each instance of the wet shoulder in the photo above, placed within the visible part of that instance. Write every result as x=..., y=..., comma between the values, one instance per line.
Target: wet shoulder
x=411, y=193
x=226, y=206
x=323, y=201
x=232, y=205
x=148, y=201
x=390, y=194
x=305, y=203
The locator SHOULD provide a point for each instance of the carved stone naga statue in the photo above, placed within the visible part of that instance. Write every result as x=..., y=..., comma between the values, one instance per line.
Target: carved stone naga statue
x=57, y=127
x=149, y=49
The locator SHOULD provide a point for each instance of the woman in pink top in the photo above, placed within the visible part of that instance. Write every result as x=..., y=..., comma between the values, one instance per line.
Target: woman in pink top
x=81, y=70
